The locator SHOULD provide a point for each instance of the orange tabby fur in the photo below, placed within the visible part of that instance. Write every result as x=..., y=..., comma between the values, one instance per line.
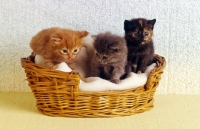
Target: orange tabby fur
x=57, y=45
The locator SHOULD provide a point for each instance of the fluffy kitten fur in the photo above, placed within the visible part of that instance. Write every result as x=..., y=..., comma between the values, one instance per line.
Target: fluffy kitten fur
x=57, y=45
x=138, y=35
x=110, y=57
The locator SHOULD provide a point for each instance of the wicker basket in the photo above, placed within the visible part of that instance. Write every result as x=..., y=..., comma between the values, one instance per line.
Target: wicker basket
x=57, y=93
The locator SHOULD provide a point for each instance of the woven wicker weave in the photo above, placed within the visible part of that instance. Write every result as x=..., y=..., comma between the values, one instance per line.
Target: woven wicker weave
x=57, y=93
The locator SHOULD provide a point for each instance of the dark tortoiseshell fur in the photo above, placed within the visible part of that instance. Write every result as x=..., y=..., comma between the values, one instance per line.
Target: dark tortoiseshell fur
x=138, y=35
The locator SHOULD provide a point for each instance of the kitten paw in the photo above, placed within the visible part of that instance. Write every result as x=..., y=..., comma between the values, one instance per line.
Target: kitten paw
x=115, y=81
x=83, y=79
x=51, y=65
x=54, y=67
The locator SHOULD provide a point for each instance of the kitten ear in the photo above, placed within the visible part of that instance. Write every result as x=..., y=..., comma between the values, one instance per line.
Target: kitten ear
x=152, y=22
x=126, y=24
x=94, y=37
x=82, y=34
x=56, y=38
x=115, y=49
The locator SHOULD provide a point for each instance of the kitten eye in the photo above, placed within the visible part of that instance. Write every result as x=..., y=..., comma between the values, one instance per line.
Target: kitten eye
x=64, y=51
x=146, y=33
x=97, y=54
x=104, y=57
x=76, y=50
x=136, y=34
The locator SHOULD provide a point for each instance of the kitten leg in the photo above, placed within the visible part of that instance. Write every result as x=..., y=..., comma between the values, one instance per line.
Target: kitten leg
x=142, y=65
x=95, y=69
x=71, y=65
x=32, y=57
x=134, y=63
x=116, y=74
x=96, y=72
x=134, y=67
x=33, y=54
x=128, y=67
x=48, y=63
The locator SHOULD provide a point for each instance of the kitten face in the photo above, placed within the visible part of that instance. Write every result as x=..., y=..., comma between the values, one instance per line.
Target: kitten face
x=106, y=55
x=140, y=30
x=67, y=44
x=103, y=57
x=109, y=48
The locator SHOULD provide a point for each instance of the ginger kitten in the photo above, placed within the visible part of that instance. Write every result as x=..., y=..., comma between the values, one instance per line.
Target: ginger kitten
x=57, y=45
x=138, y=35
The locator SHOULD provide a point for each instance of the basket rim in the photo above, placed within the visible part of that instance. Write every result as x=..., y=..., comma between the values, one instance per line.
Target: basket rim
x=160, y=65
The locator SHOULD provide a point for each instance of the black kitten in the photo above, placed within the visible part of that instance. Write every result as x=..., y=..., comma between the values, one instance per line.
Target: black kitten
x=110, y=57
x=138, y=35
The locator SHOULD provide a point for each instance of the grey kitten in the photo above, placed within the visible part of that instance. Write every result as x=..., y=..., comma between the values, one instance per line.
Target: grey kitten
x=110, y=57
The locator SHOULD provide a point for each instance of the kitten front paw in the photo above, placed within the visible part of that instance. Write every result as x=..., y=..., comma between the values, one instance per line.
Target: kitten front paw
x=54, y=67
x=83, y=79
x=51, y=65
x=71, y=65
x=116, y=81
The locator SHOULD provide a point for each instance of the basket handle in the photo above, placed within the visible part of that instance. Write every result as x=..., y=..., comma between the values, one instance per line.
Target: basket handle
x=155, y=74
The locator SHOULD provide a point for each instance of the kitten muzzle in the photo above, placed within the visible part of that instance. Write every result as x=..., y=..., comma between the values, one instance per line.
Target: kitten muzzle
x=69, y=57
x=143, y=42
x=102, y=62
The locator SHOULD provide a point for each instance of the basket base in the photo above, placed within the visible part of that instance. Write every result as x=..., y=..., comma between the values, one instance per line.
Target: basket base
x=66, y=112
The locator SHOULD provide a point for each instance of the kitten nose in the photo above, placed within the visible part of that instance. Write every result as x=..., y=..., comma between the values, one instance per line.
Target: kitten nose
x=69, y=56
